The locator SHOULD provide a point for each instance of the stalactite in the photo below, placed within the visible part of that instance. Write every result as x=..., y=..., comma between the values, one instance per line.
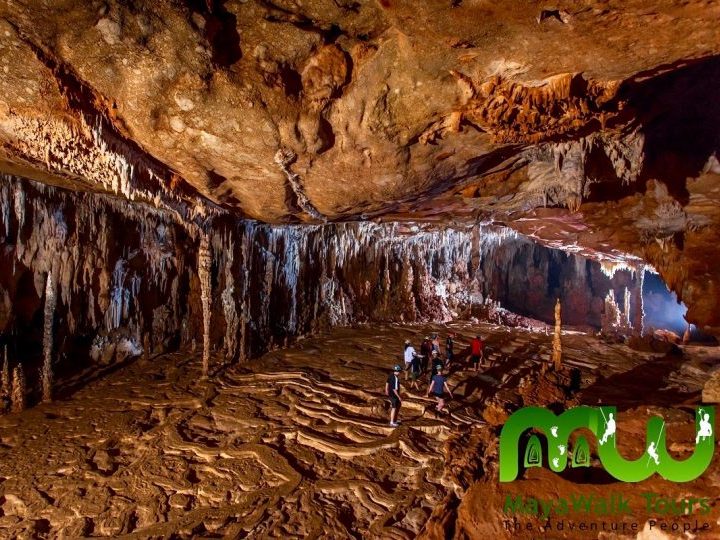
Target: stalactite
x=283, y=281
x=204, y=274
x=49, y=315
x=557, y=345
x=18, y=389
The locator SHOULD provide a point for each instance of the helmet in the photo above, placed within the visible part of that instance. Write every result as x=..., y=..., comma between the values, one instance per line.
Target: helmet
x=397, y=367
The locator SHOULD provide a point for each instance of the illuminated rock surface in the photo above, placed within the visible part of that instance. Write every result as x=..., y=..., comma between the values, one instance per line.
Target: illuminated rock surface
x=297, y=442
x=588, y=125
x=208, y=182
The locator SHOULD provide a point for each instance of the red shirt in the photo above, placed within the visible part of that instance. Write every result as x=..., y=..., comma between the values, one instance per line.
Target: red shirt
x=477, y=346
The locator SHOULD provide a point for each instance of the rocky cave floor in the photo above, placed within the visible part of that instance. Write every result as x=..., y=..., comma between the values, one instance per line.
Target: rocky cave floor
x=296, y=444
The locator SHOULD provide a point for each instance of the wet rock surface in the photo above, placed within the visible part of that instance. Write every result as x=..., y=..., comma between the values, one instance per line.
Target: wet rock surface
x=298, y=443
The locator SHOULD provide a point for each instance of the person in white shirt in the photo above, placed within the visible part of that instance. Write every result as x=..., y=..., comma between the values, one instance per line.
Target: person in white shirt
x=409, y=354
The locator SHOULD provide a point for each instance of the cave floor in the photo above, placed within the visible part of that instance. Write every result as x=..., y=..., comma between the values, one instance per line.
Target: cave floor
x=295, y=444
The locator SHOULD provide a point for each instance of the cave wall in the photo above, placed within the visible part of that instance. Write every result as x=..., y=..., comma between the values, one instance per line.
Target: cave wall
x=527, y=278
x=125, y=276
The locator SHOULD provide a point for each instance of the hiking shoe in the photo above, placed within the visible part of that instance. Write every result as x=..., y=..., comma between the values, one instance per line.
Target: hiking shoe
x=394, y=424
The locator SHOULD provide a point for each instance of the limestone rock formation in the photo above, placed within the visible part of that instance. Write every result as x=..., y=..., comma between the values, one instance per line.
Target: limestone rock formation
x=711, y=389
x=557, y=344
x=18, y=389
x=244, y=287
x=586, y=125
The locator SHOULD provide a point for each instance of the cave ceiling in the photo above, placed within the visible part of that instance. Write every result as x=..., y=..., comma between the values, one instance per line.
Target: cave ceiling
x=588, y=125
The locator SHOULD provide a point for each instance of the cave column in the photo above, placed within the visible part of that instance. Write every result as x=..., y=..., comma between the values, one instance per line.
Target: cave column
x=204, y=269
x=49, y=316
x=557, y=345
x=639, y=313
x=6, y=383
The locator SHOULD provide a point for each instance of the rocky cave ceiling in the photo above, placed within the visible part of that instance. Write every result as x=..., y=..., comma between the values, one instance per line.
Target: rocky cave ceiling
x=587, y=125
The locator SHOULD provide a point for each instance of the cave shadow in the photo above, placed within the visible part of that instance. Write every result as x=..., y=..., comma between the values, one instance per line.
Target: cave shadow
x=65, y=389
x=486, y=380
x=220, y=30
x=676, y=109
x=640, y=386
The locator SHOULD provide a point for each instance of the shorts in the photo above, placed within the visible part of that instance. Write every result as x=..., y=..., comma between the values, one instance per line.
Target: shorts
x=475, y=358
x=438, y=396
x=395, y=402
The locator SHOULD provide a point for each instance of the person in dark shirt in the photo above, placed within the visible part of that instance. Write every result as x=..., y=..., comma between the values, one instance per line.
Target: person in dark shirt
x=435, y=343
x=392, y=391
x=436, y=363
x=425, y=351
x=415, y=372
x=437, y=388
x=449, y=344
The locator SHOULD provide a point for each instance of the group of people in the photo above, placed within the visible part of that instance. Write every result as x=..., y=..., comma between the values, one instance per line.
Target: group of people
x=417, y=364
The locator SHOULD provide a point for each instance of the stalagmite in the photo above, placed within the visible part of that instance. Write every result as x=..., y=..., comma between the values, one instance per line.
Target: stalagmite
x=616, y=320
x=639, y=311
x=204, y=269
x=18, y=389
x=557, y=345
x=611, y=315
x=5, y=388
x=50, y=302
x=626, y=310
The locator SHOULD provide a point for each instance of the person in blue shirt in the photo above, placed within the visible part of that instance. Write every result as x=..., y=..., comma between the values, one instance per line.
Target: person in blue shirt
x=438, y=387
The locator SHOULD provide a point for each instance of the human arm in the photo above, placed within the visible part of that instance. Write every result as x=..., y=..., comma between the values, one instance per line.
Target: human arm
x=448, y=389
x=432, y=385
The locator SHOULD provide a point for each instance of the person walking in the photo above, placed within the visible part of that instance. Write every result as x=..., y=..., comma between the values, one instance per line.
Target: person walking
x=435, y=364
x=425, y=351
x=435, y=343
x=415, y=372
x=476, y=351
x=437, y=388
x=408, y=355
x=449, y=344
x=392, y=391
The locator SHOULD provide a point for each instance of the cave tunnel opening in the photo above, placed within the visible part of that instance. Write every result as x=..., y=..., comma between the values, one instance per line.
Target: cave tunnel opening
x=663, y=311
x=661, y=306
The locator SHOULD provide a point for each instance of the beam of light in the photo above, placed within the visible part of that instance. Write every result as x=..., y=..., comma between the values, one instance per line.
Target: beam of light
x=661, y=306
